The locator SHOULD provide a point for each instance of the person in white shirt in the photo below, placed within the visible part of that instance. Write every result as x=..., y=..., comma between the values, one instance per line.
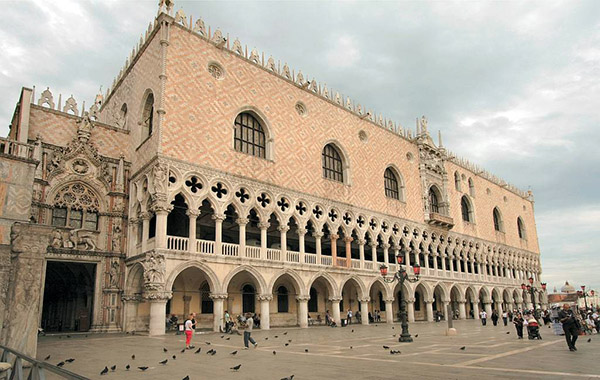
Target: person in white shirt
x=483, y=316
x=189, y=331
x=248, y=331
x=505, y=318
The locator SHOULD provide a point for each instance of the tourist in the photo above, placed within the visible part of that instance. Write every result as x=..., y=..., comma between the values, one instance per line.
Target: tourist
x=189, y=331
x=327, y=318
x=227, y=322
x=248, y=332
x=518, y=322
x=495, y=317
x=569, y=324
x=371, y=318
x=505, y=318
x=483, y=316
x=358, y=316
x=173, y=321
x=194, y=321
x=349, y=315
x=256, y=320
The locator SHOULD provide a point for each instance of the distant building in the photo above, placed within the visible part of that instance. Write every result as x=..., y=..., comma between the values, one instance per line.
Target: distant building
x=568, y=294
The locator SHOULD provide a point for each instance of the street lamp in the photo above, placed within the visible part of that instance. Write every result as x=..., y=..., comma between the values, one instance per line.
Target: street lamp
x=532, y=290
x=584, y=294
x=401, y=275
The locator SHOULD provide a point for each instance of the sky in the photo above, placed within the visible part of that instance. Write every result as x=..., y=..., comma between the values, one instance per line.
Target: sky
x=513, y=86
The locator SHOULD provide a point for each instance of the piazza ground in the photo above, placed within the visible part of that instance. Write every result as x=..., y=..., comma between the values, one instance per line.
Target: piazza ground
x=490, y=353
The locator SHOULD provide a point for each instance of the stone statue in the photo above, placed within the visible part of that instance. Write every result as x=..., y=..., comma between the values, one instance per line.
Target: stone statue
x=84, y=130
x=79, y=237
x=114, y=274
x=154, y=269
x=116, y=238
x=423, y=123
x=160, y=178
x=57, y=239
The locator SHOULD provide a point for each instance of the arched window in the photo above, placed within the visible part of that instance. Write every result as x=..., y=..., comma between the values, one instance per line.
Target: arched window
x=282, y=299
x=148, y=117
x=76, y=206
x=467, y=212
x=498, y=225
x=122, y=117
x=434, y=205
x=332, y=163
x=521, y=228
x=457, y=181
x=471, y=187
x=249, y=135
x=392, y=190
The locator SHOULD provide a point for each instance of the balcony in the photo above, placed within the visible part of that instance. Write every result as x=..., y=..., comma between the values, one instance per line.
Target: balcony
x=208, y=248
x=440, y=220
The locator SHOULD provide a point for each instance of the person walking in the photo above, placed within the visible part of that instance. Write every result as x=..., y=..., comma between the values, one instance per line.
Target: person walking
x=189, y=331
x=248, y=331
x=505, y=318
x=349, y=316
x=518, y=322
x=227, y=322
x=483, y=316
x=495, y=318
x=569, y=324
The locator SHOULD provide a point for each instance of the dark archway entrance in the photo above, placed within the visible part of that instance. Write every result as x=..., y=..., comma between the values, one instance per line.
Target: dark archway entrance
x=248, y=299
x=68, y=296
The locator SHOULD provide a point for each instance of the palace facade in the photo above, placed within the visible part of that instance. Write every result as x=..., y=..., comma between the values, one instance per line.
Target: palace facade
x=208, y=178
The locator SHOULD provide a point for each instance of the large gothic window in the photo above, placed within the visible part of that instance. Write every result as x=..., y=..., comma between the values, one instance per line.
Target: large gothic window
x=498, y=220
x=434, y=205
x=75, y=206
x=249, y=135
x=332, y=163
x=521, y=228
x=465, y=206
x=392, y=189
x=148, y=117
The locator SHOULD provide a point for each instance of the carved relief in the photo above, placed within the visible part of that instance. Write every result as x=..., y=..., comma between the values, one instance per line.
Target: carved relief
x=113, y=274
x=154, y=271
x=77, y=196
x=159, y=173
x=80, y=239
x=80, y=166
x=116, y=236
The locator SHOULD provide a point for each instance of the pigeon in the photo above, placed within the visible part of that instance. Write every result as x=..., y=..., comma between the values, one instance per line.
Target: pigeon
x=207, y=343
x=104, y=371
x=143, y=368
x=133, y=357
x=306, y=350
x=288, y=378
x=463, y=348
x=127, y=367
x=164, y=362
x=394, y=335
x=352, y=330
x=267, y=338
x=350, y=347
x=222, y=336
x=386, y=348
x=165, y=350
x=213, y=353
x=60, y=364
x=274, y=352
x=276, y=336
x=236, y=367
x=392, y=327
x=174, y=357
x=589, y=340
x=508, y=332
x=113, y=368
x=209, y=351
x=285, y=333
x=198, y=350
x=287, y=344
x=227, y=338
x=186, y=378
x=233, y=353
x=47, y=357
x=416, y=336
x=289, y=341
x=182, y=351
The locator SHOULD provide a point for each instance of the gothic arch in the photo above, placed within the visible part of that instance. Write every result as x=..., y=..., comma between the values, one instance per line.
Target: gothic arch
x=213, y=281
x=296, y=281
x=260, y=281
x=388, y=292
x=329, y=281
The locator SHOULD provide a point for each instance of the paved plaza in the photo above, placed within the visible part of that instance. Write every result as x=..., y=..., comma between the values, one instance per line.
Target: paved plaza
x=354, y=352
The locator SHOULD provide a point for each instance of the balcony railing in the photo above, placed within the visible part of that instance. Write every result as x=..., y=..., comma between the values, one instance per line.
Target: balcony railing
x=16, y=149
x=440, y=220
x=176, y=243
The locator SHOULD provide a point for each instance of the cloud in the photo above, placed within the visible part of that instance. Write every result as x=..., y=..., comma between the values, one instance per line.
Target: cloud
x=343, y=53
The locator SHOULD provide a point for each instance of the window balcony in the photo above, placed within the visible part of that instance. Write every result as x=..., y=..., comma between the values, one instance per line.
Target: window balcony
x=443, y=221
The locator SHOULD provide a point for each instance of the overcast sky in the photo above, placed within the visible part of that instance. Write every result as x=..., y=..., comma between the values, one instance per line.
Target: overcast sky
x=513, y=86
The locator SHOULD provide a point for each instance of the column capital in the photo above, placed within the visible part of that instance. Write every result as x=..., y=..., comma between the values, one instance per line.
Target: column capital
x=218, y=296
x=461, y=300
x=156, y=296
x=367, y=299
x=131, y=298
x=428, y=301
x=348, y=239
x=388, y=300
x=335, y=299
x=193, y=213
x=242, y=221
x=361, y=241
x=219, y=217
x=264, y=297
x=373, y=244
x=317, y=235
x=385, y=246
x=264, y=225
x=283, y=228
x=410, y=300
x=302, y=298
x=301, y=231
x=145, y=216
x=334, y=236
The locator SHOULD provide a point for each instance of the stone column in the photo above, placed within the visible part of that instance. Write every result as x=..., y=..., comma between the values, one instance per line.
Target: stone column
x=334, y=238
x=335, y=305
x=361, y=252
x=386, y=255
x=318, y=235
x=499, y=308
x=410, y=309
x=158, y=312
x=145, y=230
x=263, y=241
x=348, y=240
x=193, y=215
x=374, y=254
x=242, y=222
x=303, y=311
x=24, y=295
x=132, y=236
x=218, y=311
x=444, y=263
x=462, y=311
x=389, y=311
x=186, y=305
x=429, y=308
x=130, y=306
x=218, y=218
x=301, y=233
x=283, y=241
x=162, y=212
x=475, y=310
x=488, y=307
x=445, y=309
x=364, y=310
x=265, y=315
x=435, y=264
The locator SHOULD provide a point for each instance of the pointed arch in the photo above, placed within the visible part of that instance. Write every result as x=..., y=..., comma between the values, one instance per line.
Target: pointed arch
x=296, y=282
x=255, y=274
x=213, y=280
x=329, y=282
x=335, y=162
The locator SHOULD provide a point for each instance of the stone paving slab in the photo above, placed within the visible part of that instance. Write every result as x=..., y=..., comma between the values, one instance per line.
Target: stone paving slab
x=490, y=353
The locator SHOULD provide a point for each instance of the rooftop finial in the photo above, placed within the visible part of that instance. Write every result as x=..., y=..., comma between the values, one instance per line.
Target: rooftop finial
x=165, y=6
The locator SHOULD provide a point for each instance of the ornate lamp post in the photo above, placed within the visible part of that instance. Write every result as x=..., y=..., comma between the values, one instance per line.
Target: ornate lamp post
x=532, y=290
x=401, y=275
x=584, y=294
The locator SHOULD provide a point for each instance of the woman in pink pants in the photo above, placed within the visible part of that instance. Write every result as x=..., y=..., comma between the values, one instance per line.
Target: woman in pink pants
x=189, y=331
